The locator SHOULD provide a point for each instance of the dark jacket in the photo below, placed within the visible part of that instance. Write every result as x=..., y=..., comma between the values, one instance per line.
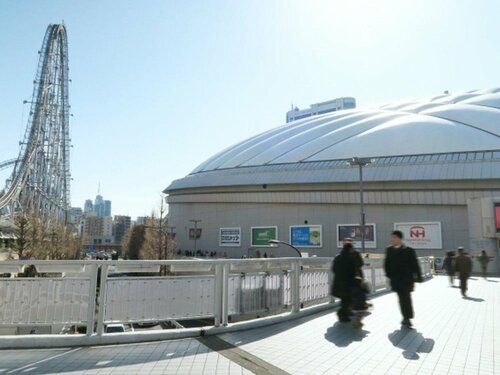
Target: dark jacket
x=448, y=265
x=346, y=267
x=463, y=265
x=402, y=268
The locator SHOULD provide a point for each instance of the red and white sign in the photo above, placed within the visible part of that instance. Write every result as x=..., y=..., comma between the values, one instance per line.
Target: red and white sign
x=421, y=235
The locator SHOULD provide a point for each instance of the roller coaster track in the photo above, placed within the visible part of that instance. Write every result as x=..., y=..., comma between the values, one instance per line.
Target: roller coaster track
x=40, y=180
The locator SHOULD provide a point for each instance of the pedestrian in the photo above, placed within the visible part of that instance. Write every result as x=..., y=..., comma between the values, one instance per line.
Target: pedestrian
x=484, y=259
x=463, y=266
x=346, y=267
x=449, y=266
x=402, y=269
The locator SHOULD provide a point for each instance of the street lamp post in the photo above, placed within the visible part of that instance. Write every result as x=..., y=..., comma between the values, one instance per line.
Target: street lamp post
x=277, y=242
x=195, y=221
x=361, y=162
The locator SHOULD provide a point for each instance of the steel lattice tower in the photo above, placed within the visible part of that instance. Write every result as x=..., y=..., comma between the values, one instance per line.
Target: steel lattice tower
x=40, y=180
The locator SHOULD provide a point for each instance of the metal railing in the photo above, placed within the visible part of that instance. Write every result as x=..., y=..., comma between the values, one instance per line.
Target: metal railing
x=95, y=294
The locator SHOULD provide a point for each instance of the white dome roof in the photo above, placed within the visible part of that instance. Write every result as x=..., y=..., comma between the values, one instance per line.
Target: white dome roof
x=446, y=137
x=443, y=124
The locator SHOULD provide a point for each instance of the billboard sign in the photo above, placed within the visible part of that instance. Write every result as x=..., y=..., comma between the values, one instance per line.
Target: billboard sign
x=497, y=216
x=230, y=237
x=261, y=235
x=421, y=235
x=354, y=231
x=306, y=235
x=191, y=233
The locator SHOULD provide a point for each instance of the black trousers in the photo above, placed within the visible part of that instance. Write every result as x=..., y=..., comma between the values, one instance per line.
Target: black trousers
x=405, y=303
x=345, y=307
x=463, y=283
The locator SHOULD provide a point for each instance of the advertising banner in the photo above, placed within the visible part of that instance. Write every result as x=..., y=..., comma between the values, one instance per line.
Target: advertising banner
x=261, y=235
x=421, y=235
x=230, y=237
x=191, y=233
x=497, y=216
x=306, y=236
x=354, y=231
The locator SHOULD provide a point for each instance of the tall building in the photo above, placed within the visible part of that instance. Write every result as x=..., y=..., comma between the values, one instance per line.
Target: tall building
x=121, y=225
x=107, y=208
x=101, y=207
x=98, y=226
x=320, y=108
x=89, y=206
x=75, y=215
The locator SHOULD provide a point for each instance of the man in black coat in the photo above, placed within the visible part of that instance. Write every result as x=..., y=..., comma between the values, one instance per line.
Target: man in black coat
x=402, y=269
x=346, y=267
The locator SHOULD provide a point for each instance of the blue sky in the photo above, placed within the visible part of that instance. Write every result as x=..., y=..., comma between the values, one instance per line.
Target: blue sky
x=160, y=86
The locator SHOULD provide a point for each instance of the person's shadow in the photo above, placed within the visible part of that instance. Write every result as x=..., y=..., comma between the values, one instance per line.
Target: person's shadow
x=344, y=334
x=474, y=299
x=412, y=342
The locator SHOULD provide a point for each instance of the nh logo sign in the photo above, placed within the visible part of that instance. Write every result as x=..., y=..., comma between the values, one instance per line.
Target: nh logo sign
x=417, y=231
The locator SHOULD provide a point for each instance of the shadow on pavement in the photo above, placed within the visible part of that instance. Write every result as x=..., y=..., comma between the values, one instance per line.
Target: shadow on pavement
x=344, y=334
x=412, y=342
x=474, y=299
x=492, y=281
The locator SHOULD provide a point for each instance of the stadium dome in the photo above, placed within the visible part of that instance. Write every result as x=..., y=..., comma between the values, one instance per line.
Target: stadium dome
x=444, y=128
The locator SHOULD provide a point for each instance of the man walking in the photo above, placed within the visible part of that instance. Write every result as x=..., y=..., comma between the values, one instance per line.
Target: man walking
x=346, y=267
x=463, y=265
x=484, y=259
x=402, y=269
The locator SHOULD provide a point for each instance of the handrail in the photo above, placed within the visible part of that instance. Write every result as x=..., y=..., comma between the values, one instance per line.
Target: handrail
x=313, y=260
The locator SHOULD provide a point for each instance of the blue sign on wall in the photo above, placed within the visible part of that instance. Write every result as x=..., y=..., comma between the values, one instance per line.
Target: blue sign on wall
x=306, y=236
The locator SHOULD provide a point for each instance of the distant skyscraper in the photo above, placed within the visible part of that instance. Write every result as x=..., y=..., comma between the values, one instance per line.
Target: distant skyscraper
x=121, y=225
x=99, y=205
x=107, y=208
x=320, y=108
x=88, y=207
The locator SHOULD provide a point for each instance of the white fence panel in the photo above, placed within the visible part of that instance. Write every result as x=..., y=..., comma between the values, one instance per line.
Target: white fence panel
x=136, y=299
x=44, y=301
x=314, y=285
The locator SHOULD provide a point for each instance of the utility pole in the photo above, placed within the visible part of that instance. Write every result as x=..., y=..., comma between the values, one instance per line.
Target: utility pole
x=361, y=162
x=195, y=221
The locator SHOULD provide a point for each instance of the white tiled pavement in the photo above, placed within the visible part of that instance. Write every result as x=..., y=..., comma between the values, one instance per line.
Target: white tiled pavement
x=176, y=357
x=451, y=336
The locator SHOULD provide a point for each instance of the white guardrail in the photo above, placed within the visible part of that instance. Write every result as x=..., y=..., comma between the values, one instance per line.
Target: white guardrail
x=227, y=294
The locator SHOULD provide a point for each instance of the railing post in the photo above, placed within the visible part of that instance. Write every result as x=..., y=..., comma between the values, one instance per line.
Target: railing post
x=103, y=286
x=295, y=286
x=218, y=294
x=330, y=284
x=92, y=296
x=225, y=294
x=374, y=280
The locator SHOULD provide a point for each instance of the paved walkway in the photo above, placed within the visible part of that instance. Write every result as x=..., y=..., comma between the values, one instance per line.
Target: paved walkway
x=451, y=336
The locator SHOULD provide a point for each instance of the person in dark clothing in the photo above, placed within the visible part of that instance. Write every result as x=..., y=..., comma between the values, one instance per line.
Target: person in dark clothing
x=484, y=259
x=463, y=265
x=402, y=269
x=449, y=266
x=347, y=266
